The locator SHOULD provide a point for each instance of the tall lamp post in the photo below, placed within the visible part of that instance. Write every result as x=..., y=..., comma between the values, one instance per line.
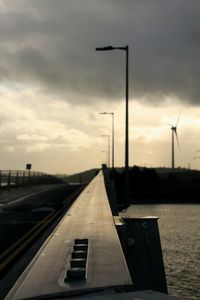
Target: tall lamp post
x=126, y=183
x=107, y=136
x=113, y=142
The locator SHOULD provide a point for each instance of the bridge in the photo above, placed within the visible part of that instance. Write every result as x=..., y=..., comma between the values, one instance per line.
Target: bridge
x=94, y=252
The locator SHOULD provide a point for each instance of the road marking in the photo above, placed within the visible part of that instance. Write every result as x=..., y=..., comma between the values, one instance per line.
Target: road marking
x=28, y=237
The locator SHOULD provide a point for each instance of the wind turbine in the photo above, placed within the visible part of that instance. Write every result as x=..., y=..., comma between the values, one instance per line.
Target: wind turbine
x=174, y=133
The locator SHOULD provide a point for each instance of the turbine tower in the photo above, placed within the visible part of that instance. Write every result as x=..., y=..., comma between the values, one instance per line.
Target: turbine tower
x=174, y=133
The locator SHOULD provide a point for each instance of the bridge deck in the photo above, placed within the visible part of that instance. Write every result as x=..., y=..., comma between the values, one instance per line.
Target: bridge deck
x=90, y=217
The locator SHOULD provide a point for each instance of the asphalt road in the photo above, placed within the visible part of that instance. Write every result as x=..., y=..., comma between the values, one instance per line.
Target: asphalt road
x=26, y=216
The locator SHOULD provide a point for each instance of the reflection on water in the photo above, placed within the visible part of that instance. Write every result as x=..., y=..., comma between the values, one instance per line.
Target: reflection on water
x=180, y=237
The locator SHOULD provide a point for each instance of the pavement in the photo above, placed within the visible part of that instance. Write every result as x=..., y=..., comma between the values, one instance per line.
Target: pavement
x=13, y=195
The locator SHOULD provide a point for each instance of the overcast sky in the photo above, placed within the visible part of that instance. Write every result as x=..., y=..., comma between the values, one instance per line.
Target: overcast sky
x=53, y=83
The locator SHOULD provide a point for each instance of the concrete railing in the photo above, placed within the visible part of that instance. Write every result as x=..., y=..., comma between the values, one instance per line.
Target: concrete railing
x=14, y=178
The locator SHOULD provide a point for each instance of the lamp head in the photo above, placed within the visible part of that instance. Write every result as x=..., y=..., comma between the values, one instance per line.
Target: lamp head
x=105, y=48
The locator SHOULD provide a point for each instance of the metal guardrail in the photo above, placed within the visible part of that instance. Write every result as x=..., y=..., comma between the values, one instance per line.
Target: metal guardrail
x=14, y=178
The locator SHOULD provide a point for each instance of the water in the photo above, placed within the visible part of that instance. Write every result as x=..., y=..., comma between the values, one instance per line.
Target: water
x=179, y=227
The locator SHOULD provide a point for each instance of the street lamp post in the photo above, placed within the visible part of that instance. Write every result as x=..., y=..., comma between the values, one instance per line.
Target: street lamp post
x=107, y=136
x=113, y=142
x=126, y=175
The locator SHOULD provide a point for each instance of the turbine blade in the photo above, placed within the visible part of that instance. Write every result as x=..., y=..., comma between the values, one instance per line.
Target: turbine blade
x=177, y=139
x=178, y=118
x=170, y=125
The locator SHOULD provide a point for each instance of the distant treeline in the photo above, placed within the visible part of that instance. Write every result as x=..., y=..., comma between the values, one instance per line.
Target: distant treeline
x=147, y=186
x=82, y=177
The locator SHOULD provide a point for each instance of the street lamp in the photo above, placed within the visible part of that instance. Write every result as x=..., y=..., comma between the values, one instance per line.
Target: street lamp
x=107, y=136
x=113, y=143
x=126, y=48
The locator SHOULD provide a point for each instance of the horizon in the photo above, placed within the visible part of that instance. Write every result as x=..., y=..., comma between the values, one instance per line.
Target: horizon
x=168, y=169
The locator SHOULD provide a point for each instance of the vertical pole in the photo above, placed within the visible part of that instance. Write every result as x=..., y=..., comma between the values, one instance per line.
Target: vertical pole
x=38, y=178
x=172, y=149
x=126, y=175
x=23, y=179
x=29, y=176
x=113, y=151
x=9, y=178
x=17, y=179
x=108, y=151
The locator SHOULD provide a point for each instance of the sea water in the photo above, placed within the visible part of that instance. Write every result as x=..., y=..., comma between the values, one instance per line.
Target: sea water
x=179, y=227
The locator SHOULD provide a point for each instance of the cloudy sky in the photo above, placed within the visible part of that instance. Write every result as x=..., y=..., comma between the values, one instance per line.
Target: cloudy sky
x=53, y=83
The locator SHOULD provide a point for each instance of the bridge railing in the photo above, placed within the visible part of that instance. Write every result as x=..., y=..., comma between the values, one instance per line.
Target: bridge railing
x=16, y=178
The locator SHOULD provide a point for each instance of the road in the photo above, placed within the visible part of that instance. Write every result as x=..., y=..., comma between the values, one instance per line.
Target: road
x=24, y=218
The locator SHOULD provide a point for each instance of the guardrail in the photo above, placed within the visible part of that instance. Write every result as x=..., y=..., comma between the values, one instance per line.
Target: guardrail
x=14, y=178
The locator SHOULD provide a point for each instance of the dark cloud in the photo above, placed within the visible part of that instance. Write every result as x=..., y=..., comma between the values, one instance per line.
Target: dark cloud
x=51, y=44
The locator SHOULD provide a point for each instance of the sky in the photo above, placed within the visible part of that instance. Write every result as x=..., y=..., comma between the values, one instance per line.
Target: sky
x=53, y=84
